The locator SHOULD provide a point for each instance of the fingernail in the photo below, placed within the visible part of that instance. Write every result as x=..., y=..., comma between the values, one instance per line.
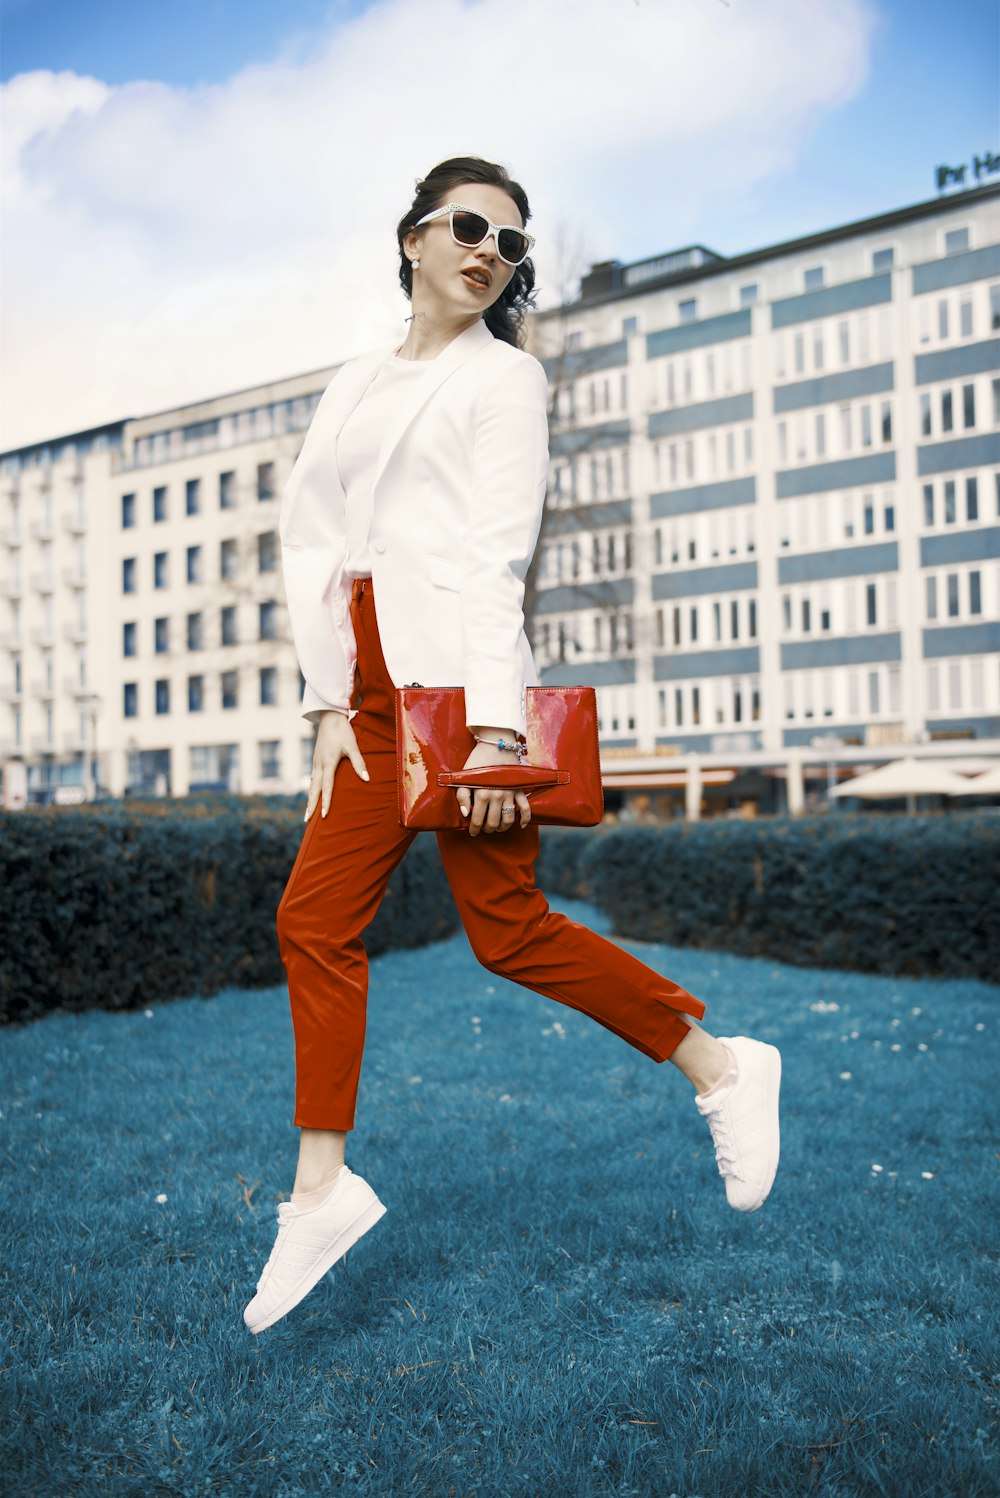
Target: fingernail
x=465, y=811
x=365, y=775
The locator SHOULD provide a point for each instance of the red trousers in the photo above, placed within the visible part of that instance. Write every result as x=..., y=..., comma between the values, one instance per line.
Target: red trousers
x=338, y=880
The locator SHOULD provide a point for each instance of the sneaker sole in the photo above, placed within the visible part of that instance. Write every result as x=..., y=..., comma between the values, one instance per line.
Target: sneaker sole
x=345, y=1240
x=773, y=1091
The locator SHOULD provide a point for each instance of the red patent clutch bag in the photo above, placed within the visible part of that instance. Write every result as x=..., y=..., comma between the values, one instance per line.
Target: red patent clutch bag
x=562, y=775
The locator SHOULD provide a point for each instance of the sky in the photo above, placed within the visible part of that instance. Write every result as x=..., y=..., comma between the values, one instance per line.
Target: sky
x=202, y=196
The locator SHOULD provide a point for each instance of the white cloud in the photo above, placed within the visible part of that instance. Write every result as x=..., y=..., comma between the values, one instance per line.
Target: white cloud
x=165, y=244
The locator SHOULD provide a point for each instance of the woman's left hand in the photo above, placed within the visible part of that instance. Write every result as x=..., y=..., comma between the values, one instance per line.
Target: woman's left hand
x=483, y=806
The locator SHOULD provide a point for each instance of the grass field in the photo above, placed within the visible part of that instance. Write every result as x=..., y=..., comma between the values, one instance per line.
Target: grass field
x=559, y=1300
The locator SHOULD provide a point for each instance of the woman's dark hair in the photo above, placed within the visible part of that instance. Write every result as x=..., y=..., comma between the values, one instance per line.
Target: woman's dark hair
x=505, y=319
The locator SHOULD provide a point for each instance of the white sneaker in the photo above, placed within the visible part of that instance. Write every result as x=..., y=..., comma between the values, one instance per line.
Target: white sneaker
x=743, y=1118
x=308, y=1244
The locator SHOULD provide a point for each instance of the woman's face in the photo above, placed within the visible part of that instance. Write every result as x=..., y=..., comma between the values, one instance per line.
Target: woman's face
x=441, y=280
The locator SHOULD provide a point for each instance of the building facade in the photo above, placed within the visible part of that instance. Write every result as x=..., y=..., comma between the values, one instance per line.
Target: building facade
x=773, y=527
x=776, y=488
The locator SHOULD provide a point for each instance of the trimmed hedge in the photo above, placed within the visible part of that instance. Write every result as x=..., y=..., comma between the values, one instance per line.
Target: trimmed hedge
x=116, y=905
x=900, y=895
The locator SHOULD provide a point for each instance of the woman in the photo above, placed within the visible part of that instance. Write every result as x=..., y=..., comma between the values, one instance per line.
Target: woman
x=421, y=484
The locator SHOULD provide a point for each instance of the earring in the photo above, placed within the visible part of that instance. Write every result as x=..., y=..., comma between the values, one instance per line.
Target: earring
x=415, y=264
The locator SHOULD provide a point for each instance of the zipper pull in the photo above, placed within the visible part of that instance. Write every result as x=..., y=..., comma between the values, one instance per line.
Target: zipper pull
x=412, y=683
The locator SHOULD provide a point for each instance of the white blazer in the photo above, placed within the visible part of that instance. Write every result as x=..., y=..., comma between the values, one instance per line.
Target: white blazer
x=456, y=507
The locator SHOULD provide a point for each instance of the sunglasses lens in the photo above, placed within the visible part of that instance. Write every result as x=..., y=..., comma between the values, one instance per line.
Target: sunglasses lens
x=512, y=246
x=470, y=228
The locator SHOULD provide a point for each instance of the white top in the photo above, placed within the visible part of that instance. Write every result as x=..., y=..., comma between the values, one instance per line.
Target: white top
x=358, y=445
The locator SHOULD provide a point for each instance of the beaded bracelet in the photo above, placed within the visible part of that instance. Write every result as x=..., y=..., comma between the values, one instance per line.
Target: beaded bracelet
x=519, y=749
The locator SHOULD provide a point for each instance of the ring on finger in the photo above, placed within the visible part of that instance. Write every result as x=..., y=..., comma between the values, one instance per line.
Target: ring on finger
x=508, y=811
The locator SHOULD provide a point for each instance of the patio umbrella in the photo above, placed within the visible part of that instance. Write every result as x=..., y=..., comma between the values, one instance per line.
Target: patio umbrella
x=981, y=785
x=902, y=777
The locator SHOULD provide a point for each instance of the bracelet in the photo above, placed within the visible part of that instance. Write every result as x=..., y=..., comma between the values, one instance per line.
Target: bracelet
x=519, y=749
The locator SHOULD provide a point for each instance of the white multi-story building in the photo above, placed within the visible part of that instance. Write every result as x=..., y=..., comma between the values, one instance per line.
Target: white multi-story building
x=776, y=488
x=774, y=516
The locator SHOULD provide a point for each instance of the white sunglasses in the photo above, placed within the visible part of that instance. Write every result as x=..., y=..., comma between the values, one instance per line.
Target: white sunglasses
x=469, y=227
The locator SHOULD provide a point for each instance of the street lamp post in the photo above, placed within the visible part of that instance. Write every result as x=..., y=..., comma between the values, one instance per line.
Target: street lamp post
x=93, y=707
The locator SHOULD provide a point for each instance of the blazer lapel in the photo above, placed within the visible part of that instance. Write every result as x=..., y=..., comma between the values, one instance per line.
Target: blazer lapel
x=471, y=341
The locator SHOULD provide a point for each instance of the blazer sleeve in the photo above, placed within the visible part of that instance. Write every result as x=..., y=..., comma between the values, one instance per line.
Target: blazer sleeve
x=313, y=554
x=510, y=474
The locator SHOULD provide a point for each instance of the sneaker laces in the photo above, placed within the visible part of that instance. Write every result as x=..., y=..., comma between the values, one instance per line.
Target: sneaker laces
x=725, y=1145
x=286, y=1214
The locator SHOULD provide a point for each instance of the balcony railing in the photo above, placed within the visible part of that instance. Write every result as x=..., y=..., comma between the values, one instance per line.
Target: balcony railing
x=76, y=525
x=43, y=635
x=77, y=633
x=74, y=578
x=11, y=535
x=43, y=690
x=41, y=530
x=41, y=582
x=12, y=588
x=72, y=688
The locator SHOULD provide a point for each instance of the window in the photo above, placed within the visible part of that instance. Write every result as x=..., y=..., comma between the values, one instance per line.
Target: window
x=928, y=504
x=162, y=697
x=128, y=575
x=869, y=515
x=952, y=586
x=806, y=615
x=230, y=689
x=227, y=491
x=975, y=594
x=128, y=511
x=882, y=260
x=688, y=311
x=192, y=497
x=947, y=419
x=229, y=636
x=870, y=603
x=196, y=694
x=161, y=636
x=194, y=564
x=159, y=504
x=268, y=686
x=160, y=570
x=950, y=510
x=267, y=552
x=195, y=632
x=965, y=319
x=866, y=426
x=270, y=759
x=228, y=558
x=886, y=421
x=969, y=405
x=925, y=416
x=995, y=306
x=128, y=639
x=130, y=699
x=748, y=294
x=889, y=515
x=629, y=326
x=268, y=620
x=265, y=481
x=943, y=318
x=813, y=278
x=972, y=499
x=996, y=402
x=955, y=241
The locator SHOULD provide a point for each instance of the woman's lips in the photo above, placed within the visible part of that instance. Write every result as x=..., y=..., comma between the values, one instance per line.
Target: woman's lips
x=472, y=281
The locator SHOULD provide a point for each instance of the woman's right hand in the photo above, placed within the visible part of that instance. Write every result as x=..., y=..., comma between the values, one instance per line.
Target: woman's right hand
x=334, y=741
